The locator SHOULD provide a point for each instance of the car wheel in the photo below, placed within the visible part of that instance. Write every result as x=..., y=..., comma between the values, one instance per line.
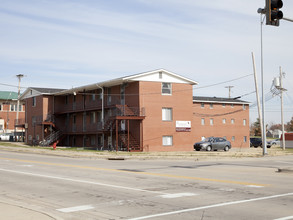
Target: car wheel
x=209, y=148
x=268, y=146
x=226, y=148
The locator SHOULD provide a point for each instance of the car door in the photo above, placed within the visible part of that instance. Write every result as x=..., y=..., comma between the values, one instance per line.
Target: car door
x=221, y=143
x=215, y=144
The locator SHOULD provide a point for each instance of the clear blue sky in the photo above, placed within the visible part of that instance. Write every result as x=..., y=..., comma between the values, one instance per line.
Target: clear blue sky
x=69, y=43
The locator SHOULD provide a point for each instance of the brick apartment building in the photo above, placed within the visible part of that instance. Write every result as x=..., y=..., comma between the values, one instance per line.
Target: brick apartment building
x=152, y=111
x=8, y=112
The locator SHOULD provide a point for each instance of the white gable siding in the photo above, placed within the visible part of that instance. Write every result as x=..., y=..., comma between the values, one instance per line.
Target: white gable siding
x=30, y=93
x=159, y=76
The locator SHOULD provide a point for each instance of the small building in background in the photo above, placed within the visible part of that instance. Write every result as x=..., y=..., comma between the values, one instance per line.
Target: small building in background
x=8, y=112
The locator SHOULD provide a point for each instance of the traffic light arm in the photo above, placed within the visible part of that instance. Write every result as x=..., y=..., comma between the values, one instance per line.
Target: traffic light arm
x=288, y=19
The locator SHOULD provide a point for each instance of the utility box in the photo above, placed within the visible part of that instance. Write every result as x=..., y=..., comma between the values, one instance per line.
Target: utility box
x=288, y=140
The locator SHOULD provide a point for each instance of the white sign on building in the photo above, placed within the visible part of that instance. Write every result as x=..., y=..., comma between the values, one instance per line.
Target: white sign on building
x=183, y=126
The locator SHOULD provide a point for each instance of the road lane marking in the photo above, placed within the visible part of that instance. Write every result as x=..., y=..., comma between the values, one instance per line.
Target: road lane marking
x=76, y=208
x=254, y=186
x=212, y=206
x=177, y=195
x=141, y=173
x=26, y=165
x=285, y=218
x=82, y=181
x=285, y=162
x=168, y=195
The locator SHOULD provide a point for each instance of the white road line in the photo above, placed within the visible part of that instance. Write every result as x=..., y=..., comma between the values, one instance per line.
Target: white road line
x=26, y=165
x=285, y=162
x=83, y=181
x=254, y=186
x=177, y=195
x=285, y=218
x=76, y=208
x=211, y=206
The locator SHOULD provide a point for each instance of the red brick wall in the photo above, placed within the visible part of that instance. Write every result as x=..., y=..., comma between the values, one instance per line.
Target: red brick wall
x=154, y=128
x=5, y=114
x=218, y=129
x=40, y=111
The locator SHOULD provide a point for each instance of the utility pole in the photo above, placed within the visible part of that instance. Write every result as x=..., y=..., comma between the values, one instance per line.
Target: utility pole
x=282, y=110
x=257, y=96
x=278, y=84
x=19, y=76
x=229, y=87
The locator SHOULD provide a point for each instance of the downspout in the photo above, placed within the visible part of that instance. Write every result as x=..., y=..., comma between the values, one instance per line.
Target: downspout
x=103, y=122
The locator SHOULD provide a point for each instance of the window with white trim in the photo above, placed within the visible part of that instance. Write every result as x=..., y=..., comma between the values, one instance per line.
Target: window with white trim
x=167, y=114
x=202, y=121
x=211, y=121
x=244, y=122
x=224, y=120
x=167, y=140
x=166, y=89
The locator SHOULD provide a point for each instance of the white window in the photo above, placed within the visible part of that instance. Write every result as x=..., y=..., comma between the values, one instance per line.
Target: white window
x=167, y=140
x=12, y=108
x=202, y=121
x=166, y=89
x=224, y=120
x=232, y=105
x=232, y=121
x=244, y=107
x=202, y=105
x=244, y=122
x=211, y=106
x=211, y=121
x=245, y=139
x=223, y=105
x=233, y=138
x=167, y=114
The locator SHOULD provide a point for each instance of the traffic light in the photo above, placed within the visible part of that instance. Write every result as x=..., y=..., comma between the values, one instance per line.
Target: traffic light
x=273, y=13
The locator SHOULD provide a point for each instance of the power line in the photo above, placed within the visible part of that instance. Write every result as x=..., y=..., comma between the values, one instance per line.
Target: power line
x=216, y=84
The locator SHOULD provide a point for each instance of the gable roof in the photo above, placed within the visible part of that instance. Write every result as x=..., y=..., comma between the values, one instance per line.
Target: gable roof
x=218, y=100
x=35, y=91
x=159, y=75
x=8, y=95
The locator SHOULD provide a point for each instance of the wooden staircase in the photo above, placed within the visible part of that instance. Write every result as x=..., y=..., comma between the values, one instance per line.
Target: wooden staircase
x=125, y=110
x=133, y=143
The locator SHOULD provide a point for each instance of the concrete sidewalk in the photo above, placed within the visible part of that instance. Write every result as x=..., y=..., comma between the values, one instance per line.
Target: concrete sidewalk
x=19, y=213
x=234, y=153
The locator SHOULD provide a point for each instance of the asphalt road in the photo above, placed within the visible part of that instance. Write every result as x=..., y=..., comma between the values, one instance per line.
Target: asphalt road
x=56, y=187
